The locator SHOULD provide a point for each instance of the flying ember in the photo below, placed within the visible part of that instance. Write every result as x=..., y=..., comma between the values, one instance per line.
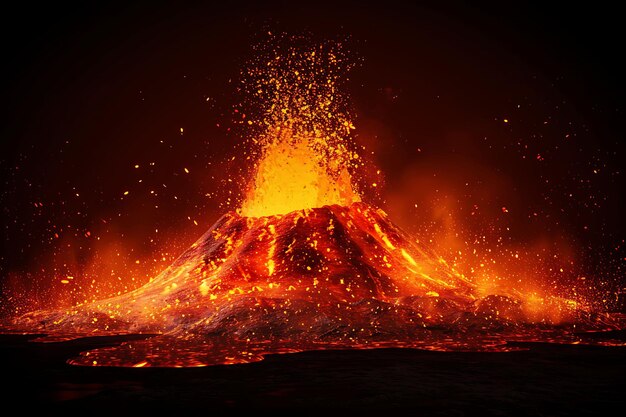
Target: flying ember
x=305, y=263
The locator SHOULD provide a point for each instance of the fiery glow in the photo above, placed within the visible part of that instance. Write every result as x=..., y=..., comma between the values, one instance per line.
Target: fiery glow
x=302, y=129
x=304, y=264
x=291, y=176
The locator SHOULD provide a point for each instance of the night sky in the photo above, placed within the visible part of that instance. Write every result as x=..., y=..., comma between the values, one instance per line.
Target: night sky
x=507, y=118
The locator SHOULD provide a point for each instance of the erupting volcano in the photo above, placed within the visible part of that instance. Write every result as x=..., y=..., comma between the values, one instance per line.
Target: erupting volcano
x=304, y=264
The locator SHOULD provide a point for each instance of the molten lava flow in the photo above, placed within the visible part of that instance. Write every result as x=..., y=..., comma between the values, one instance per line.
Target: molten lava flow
x=305, y=264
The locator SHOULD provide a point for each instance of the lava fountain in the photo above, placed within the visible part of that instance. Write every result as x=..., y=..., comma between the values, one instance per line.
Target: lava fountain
x=305, y=264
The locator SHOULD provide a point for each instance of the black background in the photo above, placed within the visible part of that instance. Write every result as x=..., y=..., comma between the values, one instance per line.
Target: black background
x=90, y=90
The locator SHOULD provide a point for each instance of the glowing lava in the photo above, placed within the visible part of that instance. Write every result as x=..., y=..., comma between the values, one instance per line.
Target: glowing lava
x=292, y=176
x=302, y=126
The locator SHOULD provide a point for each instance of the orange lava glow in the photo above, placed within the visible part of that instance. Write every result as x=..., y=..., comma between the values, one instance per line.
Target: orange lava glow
x=304, y=264
x=293, y=176
x=303, y=129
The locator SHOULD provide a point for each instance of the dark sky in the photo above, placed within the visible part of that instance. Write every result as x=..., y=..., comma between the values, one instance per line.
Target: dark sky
x=90, y=91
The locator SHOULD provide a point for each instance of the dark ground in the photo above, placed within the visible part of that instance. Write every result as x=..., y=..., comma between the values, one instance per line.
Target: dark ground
x=547, y=380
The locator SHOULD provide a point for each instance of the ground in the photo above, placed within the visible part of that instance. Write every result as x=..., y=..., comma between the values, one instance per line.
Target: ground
x=546, y=380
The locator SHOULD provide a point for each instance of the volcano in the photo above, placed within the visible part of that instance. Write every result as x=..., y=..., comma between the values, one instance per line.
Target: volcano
x=308, y=273
x=328, y=277
x=304, y=264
